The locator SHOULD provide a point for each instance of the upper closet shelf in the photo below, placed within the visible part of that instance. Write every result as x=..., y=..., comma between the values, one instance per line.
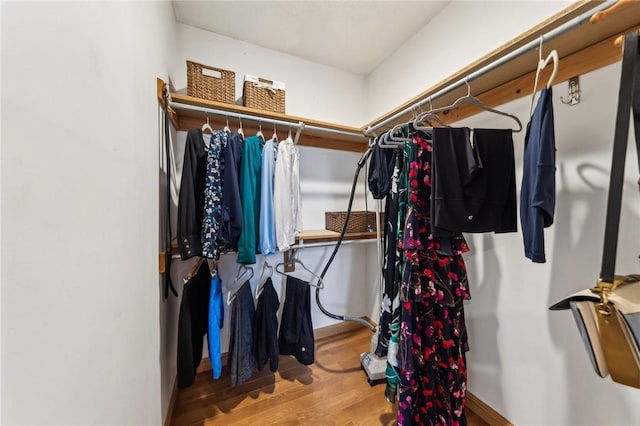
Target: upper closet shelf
x=188, y=112
x=508, y=72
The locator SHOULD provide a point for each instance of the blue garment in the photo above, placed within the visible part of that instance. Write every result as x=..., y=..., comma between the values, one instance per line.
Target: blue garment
x=212, y=216
x=538, y=193
x=216, y=321
x=267, y=243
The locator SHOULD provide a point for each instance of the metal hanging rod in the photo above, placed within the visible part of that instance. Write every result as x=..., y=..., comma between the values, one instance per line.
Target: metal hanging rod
x=291, y=124
x=497, y=63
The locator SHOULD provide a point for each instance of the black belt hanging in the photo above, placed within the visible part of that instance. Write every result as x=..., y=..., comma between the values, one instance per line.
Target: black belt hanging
x=628, y=99
x=168, y=253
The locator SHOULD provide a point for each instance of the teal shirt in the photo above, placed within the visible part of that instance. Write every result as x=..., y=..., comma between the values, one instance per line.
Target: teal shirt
x=250, y=197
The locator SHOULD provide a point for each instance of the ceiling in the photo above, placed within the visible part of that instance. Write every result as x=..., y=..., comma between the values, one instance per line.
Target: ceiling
x=354, y=36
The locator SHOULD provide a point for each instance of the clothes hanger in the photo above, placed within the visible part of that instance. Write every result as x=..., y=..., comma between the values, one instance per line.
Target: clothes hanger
x=193, y=271
x=241, y=270
x=206, y=127
x=260, y=134
x=275, y=136
x=320, y=283
x=240, y=131
x=263, y=278
x=226, y=129
x=468, y=99
x=553, y=56
x=428, y=116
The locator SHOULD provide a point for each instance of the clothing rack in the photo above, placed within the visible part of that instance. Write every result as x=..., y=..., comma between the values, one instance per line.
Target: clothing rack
x=508, y=72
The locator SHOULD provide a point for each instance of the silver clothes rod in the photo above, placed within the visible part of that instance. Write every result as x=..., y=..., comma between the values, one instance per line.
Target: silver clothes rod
x=498, y=63
x=287, y=124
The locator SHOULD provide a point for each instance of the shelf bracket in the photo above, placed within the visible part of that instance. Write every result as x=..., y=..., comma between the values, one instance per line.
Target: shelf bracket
x=289, y=255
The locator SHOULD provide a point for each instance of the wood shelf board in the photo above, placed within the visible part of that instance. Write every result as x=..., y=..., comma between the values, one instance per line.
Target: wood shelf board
x=572, y=41
x=189, y=119
x=324, y=235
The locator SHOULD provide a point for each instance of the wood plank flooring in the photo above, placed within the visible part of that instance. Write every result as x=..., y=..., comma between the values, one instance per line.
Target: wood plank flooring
x=332, y=391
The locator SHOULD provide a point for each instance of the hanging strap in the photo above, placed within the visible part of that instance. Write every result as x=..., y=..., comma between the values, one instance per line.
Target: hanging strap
x=168, y=253
x=628, y=98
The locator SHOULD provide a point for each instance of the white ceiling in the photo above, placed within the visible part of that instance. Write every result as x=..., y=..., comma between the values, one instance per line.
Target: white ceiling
x=354, y=36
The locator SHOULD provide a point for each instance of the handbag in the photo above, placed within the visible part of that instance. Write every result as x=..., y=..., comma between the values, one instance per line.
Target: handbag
x=608, y=315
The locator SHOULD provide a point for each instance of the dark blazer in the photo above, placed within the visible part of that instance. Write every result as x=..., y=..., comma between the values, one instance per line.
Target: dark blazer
x=265, y=328
x=191, y=199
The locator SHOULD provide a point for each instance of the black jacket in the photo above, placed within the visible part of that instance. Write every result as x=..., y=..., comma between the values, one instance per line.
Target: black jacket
x=265, y=328
x=193, y=323
x=191, y=199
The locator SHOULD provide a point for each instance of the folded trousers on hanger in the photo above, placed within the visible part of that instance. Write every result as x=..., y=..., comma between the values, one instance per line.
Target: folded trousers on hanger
x=473, y=185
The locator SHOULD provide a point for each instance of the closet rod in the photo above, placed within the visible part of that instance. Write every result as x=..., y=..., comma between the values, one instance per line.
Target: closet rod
x=490, y=67
x=287, y=124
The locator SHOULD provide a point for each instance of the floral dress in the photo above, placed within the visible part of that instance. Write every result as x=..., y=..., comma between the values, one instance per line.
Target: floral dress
x=432, y=335
x=213, y=195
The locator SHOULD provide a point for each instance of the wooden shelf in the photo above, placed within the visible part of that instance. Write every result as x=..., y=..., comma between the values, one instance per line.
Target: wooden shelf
x=581, y=49
x=323, y=235
x=184, y=119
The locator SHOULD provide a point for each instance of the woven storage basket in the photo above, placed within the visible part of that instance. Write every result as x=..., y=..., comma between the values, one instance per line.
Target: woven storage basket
x=263, y=94
x=214, y=84
x=358, y=221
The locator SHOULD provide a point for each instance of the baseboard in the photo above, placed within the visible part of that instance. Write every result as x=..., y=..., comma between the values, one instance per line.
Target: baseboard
x=485, y=412
x=172, y=403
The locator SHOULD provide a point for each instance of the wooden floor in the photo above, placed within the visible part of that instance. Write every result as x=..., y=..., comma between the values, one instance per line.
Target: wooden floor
x=332, y=391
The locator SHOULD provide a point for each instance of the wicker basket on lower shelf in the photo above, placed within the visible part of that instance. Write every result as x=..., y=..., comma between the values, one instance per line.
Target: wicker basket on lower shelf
x=358, y=221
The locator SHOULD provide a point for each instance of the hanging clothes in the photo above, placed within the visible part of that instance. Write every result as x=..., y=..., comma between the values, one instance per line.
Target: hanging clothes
x=267, y=243
x=538, y=191
x=389, y=268
x=287, y=204
x=191, y=197
x=433, y=337
x=265, y=328
x=296, y=327
x=381, y=168
x=473, y=181
x=241, y=360
x=392, y=372
x=192, y=325
x=231, y=221
x=212, y=217
x=216, y=321
x=250, y=196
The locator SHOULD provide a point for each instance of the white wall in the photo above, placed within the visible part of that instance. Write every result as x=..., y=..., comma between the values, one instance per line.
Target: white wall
x=80, y=296
x=461, y=33
x=312, y=90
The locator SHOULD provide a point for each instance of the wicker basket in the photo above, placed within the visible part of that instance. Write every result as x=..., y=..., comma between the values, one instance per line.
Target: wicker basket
x=214, y=84
x=358, y=221
x=263, y=94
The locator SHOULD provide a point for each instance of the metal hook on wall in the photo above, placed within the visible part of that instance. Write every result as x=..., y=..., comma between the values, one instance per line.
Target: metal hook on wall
x=574, y=92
